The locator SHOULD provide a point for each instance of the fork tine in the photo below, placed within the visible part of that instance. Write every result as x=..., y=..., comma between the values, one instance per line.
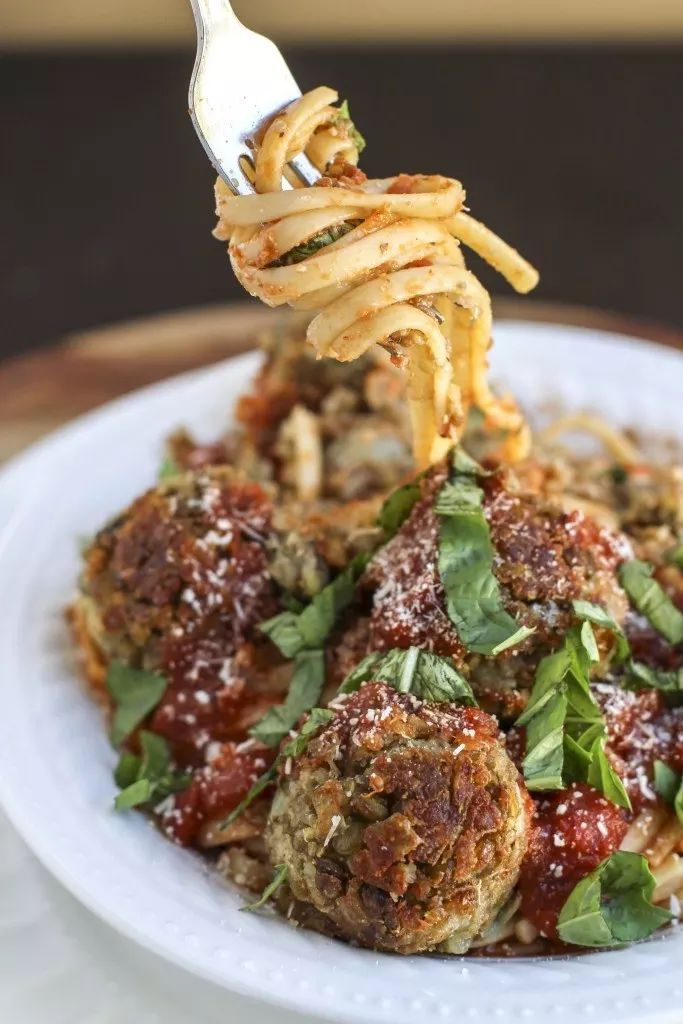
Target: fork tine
x=236, y=178
x=304, y=169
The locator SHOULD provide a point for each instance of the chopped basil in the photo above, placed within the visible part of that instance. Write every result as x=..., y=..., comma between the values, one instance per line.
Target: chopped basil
x=397, y=507
x=675, y=556
x=603, y=620
x=364, y=671
x=422, y=673
x=651, y=600
x=640, y=676
x=565, y=730
x=301, y=636
x=149, y=776
x=613, y=904
x=293, y=632
x=314, y=244
x=356, y=137
x=316, y=718
x=637, y=675
x=135, y=693
x=304, y=691
x=669, y=785
x=473, y=600
x=261, y=783
x=619, y=474
x=168, y=468
x=279, y=876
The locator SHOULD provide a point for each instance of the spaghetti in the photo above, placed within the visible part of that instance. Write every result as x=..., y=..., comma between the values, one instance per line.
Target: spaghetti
x=382, y=265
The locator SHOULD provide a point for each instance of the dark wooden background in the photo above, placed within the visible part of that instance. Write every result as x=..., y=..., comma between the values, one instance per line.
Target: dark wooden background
x=575, y=155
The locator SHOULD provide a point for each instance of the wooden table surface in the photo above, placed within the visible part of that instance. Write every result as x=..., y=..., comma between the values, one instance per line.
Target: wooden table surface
x=47, y=388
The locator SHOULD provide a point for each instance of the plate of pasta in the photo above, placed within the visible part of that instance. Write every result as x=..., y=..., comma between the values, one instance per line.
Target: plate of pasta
x=364, y=693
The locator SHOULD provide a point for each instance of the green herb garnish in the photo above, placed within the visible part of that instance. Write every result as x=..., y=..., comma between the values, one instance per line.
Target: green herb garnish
x=618, y=474
x=651, y=600
x=279, y=876
x=135, y=692
x=304, y=691
x=292, y=632
x=473, y=599
x=301, y=635
x=396, y=509
x=669, y=785
x=670, y=682
x=148, y=777
x=613, y=904
x=675, y=556
x=343, y=114
x=565, y=730
x=422, y=673
x=168, y=468
x=316, y=718
x=312, y=245
x=596, y=615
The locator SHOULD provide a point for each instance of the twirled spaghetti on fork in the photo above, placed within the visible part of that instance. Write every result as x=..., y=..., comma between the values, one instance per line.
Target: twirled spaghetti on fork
x=379, y=261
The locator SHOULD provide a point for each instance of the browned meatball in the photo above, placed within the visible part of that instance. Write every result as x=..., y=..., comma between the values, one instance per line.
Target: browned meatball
x=403, y=825
x=187, y=559
x=545, y=558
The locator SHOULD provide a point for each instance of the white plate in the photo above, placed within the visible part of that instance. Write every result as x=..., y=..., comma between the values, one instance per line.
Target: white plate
x=55, y=763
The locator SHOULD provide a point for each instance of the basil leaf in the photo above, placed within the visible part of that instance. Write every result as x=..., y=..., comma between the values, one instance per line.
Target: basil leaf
x=295, y=746
x=135, y=693
x=612, y=905
x=127, y=770
x=148, y=776
x=422, y=673
x=314, y=244
x=362, y=673
x=602, y=776
x=137, y=793
x=465, y=559
x=565, y=731
x=283, y=630
x=640, y=676
x=304, y=690
x=279, y=877
x=261, y=783
x=603, y=620
x=651, y=601
x=344, y=115
x=396, y=508
x=669, y=785
x=310, y=628
x=168, y=468
x=675, y=556
x=463, y=462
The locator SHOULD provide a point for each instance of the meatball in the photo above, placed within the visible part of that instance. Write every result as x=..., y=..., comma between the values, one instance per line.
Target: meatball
x=403, y=824
x=544, y=559
x=187, y=559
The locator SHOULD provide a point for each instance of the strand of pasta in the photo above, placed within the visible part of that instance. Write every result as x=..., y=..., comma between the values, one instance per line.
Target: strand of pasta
x=392, y=272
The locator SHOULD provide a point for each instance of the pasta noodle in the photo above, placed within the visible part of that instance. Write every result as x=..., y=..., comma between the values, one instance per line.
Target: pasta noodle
x=390, y=271
x=615, y=441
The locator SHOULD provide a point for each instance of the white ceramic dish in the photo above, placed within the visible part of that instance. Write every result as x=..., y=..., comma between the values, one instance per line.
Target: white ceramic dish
x=55, y=763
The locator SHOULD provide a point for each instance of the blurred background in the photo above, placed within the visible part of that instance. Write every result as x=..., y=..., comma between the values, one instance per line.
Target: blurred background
x=562, y=119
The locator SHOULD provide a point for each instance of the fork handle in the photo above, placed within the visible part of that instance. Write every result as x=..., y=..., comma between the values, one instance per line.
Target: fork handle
x=210, y=13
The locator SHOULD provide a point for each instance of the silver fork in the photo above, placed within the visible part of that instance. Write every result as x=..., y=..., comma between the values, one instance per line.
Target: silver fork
x=239, y=81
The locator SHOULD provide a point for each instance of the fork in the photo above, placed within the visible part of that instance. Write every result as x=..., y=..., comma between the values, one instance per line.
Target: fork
x=240, y=80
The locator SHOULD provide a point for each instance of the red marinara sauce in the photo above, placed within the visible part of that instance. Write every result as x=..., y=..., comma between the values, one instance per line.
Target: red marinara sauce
x=574, y=830
x=215, y=790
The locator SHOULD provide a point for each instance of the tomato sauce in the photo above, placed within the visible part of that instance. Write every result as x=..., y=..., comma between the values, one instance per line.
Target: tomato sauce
x=574, y=830
x=641, y=729
x=215, y=790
